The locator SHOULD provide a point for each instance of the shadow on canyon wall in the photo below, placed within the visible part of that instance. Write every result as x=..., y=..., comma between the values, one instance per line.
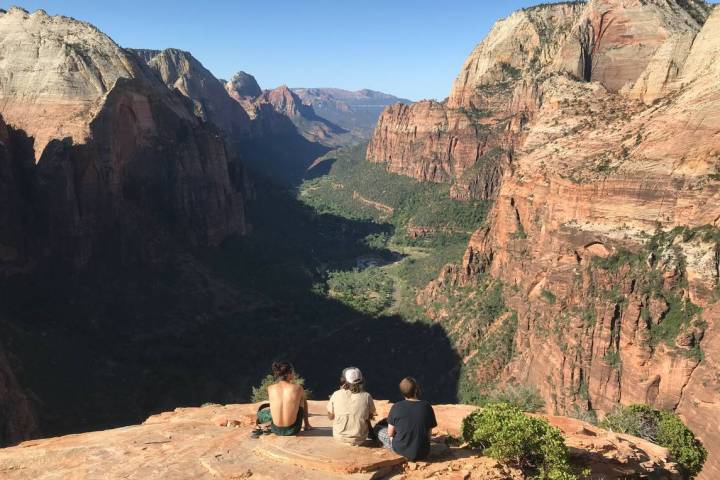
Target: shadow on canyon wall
x=115, y=342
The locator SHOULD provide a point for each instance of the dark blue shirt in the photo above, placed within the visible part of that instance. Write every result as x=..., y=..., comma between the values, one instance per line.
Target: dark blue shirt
x=413, y=420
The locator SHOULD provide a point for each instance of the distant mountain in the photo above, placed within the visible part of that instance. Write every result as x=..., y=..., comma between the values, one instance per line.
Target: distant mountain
x=283, y=101
x=355, y=111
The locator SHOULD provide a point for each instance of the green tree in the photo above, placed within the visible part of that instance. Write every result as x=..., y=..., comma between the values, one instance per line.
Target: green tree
x=505, y=433
x=665, y=429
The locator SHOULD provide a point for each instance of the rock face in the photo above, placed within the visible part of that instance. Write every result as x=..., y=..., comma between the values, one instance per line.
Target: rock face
x=467, y=139
x=311, y=126
x=124, y=139
x=357, y=111
x=243, y=85
x=180, y=70
x=53, y=88
x=100, y=163
x=604, y=233
x=17, y=416
x=213, y=443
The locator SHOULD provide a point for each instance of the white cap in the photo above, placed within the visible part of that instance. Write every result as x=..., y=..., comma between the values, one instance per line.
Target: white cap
x=352, y=375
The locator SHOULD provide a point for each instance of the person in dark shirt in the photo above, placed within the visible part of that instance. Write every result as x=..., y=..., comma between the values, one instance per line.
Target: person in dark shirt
x=409, y=424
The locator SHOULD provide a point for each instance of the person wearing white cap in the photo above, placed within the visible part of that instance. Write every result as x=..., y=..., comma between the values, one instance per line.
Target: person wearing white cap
x=351, y=408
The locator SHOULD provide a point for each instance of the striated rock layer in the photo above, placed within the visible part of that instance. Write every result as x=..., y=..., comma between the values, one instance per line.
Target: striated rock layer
x=311, y=126
x=180, y=70
x=604, y=235
x=634, y=47
x=100, y=164
x=213, y=442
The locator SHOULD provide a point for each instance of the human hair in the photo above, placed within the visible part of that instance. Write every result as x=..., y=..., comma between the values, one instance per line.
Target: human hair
x=409, y=388
x=282, y=370
x=354, y=387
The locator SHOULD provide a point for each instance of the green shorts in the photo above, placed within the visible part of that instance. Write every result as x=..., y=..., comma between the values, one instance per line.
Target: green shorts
x=264, y=416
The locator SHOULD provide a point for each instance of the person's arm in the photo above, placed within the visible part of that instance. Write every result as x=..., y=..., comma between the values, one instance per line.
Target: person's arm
x=331, y=407
x=432, y=421
x=305, y=410
x=391, y=420
x=371, y=408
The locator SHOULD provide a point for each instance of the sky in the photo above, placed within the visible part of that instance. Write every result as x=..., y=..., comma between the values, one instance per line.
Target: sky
x=409, y=48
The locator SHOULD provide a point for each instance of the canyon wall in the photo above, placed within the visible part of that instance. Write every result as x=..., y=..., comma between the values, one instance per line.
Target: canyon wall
x=468, y=139
x=604, y=233
x=180, y=70
x=99, y=163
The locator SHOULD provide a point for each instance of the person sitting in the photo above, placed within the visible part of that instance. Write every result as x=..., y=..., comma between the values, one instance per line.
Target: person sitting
x=287, y=410
x=351, y=408
x=409, y=424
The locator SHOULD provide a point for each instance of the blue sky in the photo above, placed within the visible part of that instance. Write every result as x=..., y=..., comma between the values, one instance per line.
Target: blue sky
x=410, y=48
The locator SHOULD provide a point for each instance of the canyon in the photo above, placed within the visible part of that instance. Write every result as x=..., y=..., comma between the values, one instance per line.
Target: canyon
x=165, y=234
x=604, y=228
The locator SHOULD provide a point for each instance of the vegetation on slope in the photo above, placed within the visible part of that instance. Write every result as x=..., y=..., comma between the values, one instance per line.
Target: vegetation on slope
x=505, y=433
x=423, y=226
x=665, y=429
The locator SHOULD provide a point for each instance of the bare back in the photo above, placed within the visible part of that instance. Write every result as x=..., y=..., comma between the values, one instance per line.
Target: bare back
x=285, y=400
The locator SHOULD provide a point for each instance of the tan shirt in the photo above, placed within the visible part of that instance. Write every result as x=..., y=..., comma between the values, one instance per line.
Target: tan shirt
x=351, y=411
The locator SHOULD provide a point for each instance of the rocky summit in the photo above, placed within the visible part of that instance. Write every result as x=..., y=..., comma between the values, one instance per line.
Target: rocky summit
x=213, y=442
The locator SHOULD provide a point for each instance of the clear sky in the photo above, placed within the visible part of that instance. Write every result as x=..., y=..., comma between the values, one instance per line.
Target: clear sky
x=410, y=48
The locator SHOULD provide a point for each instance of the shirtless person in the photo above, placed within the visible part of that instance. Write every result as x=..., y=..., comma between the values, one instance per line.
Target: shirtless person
x=288, y=406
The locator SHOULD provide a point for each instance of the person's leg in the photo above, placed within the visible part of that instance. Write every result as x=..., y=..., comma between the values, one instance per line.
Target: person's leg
x=263, y=414
x=381, y=432
x=301, y=416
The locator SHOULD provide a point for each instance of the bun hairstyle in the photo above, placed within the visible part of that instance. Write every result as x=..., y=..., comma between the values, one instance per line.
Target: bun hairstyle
x=282, y=370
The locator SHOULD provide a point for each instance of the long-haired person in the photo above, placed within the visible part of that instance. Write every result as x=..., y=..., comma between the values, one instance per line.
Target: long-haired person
x=351, y=408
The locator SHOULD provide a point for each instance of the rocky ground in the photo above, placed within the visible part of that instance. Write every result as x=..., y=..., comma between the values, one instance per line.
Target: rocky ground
x=213, y=442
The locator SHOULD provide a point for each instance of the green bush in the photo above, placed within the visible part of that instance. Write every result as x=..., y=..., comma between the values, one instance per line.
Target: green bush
x=505, y=433
x=260, y=393
x=665, y=429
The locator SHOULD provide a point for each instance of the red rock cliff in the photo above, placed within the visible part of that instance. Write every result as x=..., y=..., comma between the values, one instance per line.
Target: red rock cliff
x=99, y=161
x=604, y=233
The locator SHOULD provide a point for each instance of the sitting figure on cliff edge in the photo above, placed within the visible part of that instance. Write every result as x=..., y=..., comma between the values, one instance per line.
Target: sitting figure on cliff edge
x=409, y=425
x=351, y=408
x=288, y=405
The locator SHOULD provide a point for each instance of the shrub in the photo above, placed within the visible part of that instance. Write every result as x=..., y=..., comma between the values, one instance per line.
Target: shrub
x=665, y=429
x=260, y=393
x=505, y=433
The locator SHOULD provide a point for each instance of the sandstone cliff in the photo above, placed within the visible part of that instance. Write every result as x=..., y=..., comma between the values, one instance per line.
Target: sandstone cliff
x=121, y=138
x=604, y=235
x=635, y=47
x=180, y=70
x=100, y=164
x=212, y=442
x=311, y=126
x=243, y=85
